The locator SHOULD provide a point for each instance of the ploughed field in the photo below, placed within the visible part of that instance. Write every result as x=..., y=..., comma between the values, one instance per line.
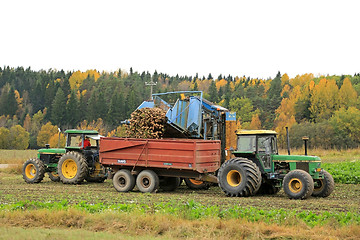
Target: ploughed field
x=13, y=189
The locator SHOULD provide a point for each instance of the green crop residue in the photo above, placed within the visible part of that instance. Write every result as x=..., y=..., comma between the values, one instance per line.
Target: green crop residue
x=192, y=210
x=344, y=172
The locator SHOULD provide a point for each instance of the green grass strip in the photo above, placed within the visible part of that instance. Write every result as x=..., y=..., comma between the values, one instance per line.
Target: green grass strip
x=193, y=210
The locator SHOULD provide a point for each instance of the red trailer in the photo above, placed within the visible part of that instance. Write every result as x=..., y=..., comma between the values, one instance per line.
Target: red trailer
x=154, y=163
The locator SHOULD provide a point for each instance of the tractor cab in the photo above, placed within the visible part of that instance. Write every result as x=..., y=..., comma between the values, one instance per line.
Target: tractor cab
x=75, y=139
x=257, y=144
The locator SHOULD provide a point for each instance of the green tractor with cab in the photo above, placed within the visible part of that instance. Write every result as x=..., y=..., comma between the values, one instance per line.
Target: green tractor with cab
x=78, y=161
x=259, y=169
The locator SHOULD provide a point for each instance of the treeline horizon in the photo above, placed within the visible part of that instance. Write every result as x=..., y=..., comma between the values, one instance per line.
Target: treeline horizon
x=324, y=108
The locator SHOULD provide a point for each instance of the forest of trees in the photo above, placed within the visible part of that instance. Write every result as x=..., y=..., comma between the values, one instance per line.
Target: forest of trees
x=34, y=104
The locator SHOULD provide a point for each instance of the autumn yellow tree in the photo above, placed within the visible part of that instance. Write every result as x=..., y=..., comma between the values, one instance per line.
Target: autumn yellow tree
x=45, y=133
x=18, y=138
x=54, y=140
x=78, y=77
x=324, y=99
x=255, y=122
x=347, y=94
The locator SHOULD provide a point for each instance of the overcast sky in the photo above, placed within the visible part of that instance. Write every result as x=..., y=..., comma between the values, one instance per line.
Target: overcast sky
x=251, y=38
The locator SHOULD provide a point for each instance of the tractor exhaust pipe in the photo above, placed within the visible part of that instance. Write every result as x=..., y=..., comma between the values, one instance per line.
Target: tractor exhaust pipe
x=305, y=144
x=288, y=140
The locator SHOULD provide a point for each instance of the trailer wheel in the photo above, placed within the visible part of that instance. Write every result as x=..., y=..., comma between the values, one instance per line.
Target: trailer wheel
x=169, y=183
x=196, y=184
x=323, y=187
x=54, y=176
x=239, y=177
x=298, y=184
x=123, y=181
x=72, y=168
x=147, y=181
x=33, y=171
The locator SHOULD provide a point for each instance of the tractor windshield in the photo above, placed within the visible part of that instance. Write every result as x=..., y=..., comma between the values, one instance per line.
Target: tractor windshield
x=246, y=144
x=267, y=144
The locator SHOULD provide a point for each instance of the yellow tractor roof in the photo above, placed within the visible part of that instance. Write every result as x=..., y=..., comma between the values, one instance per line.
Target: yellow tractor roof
x=254, y=132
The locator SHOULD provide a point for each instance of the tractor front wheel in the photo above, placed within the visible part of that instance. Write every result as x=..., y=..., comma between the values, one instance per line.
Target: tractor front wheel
x=33, y=171
x=123, y=180
x=239, y=177
x=298, y=184
x=147, y=181
x=324, y=187
x=72, y=168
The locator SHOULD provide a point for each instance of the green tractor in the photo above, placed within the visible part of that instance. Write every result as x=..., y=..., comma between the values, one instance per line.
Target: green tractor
x=78, y=161
x=258, y=168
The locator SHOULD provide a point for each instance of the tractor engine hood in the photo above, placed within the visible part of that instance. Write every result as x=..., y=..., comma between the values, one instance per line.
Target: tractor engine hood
x=52, y=150
x=296, y=158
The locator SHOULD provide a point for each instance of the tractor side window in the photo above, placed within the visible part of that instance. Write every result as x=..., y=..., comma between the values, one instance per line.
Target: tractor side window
x=264, y=144
x=74, y=141
x=246, y=143
x=274, y=145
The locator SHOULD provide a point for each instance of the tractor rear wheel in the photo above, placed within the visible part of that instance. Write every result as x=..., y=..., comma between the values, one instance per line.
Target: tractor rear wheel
x=169, y=183
x=72, y=168
x=298, y=184
x=123, y=181
x=147, y=181
x=324, y=187
x=239, y=177
x=33, y=171
x=196, y=184
x=54, y=176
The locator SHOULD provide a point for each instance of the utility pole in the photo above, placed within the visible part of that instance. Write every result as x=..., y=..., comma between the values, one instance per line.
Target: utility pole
x=151, y=84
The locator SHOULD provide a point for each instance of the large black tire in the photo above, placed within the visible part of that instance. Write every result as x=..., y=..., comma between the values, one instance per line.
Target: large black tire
x=33, y=171
x=239, y=177
x=123, y=180
x=54, y=176
x=323, y=187
x=298, y=184
x=196, y=184
x=147, y=181
x=72, y=168
x=169, y=183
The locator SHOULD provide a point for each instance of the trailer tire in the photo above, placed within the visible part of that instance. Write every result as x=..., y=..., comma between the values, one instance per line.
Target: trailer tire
x=298, y=184
x=123, y=181
x=33, y=171
x=196, y=184
x=324, y=187
x=72, y=168
x=169, y=183
x=239, y=177
x=54, y=176
x=147, y=181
